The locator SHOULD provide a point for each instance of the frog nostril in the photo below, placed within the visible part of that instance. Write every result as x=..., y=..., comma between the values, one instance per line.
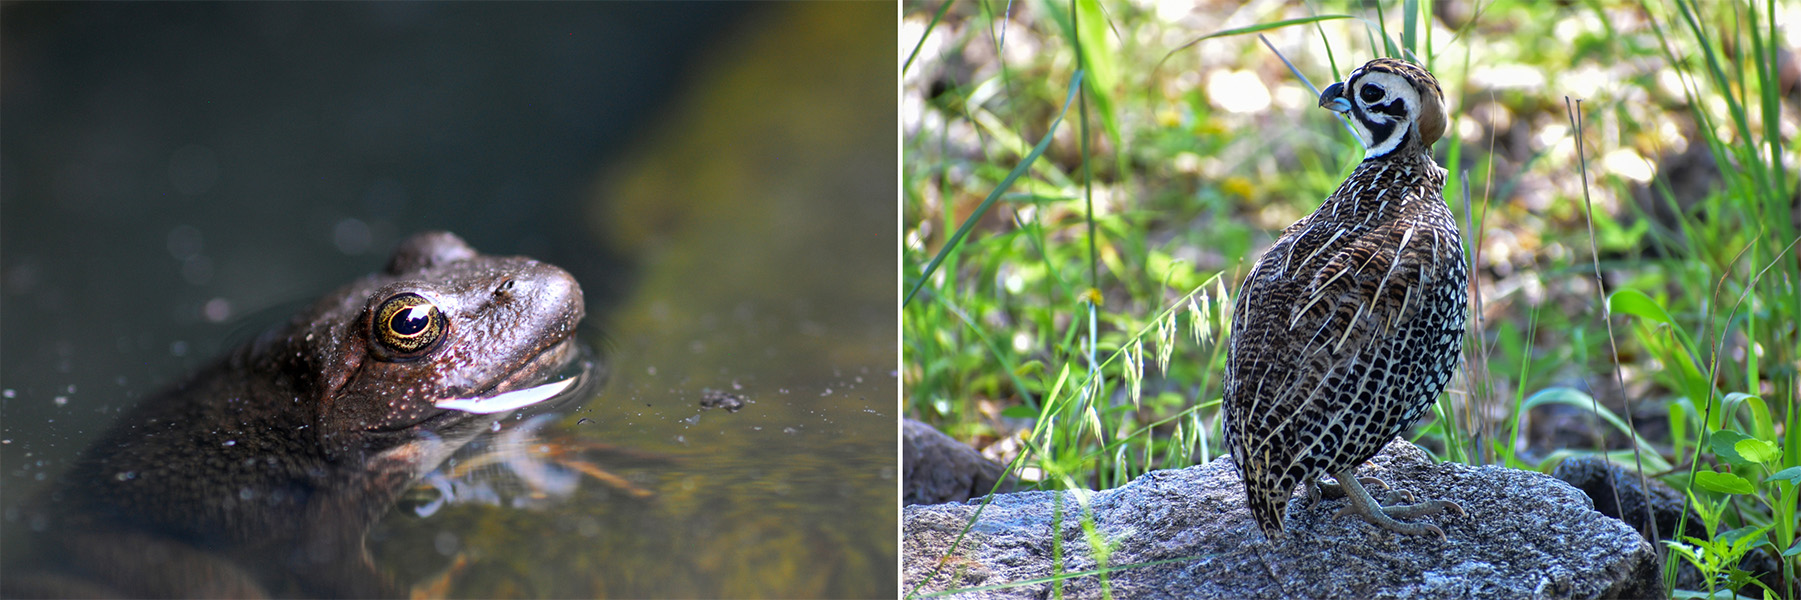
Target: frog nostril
x=505, y=287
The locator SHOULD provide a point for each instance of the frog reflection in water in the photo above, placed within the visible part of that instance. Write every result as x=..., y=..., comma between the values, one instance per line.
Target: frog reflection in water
x=261, y=475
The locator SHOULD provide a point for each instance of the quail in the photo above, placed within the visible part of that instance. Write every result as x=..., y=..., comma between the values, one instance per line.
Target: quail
x=1348, y=328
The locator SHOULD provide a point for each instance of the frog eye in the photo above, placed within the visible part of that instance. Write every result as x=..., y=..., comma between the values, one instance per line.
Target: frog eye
x=408, y=325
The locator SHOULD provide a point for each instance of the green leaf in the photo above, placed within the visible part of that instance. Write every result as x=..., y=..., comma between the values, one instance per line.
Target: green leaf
x=1761, y=427
x=1725, y=445
x=1756, y=450
x=1725, y=483
x=1708, y=512
x=1633, y=302
x=1793, y=549
x=1736, y=536
x=1791, y=475
x=1684, y=550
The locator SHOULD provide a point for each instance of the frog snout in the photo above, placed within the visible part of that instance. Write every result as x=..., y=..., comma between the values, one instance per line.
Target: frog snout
x=552, y=288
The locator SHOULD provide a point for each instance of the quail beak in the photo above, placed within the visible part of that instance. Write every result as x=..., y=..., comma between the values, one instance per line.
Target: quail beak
x=1333, y=98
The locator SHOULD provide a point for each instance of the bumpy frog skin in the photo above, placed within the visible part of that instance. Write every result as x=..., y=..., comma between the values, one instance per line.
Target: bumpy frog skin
x=280, y=456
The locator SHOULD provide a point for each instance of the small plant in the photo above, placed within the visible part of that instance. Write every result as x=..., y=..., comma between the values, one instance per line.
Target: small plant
x=1718, y=556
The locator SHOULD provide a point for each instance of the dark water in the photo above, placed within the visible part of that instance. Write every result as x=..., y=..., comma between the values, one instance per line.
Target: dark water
x=720, y=178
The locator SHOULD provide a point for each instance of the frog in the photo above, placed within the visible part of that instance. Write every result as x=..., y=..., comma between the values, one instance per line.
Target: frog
x=261, y=474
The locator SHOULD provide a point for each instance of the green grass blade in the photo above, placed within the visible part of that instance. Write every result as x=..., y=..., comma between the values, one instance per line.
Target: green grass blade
x=1025, y=164
x=1260, y=27
x=1581, y=400
x=936, y=17
x=1410, y=13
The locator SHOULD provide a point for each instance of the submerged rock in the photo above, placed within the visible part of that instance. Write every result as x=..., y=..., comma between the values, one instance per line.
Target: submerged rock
x=1524, y=535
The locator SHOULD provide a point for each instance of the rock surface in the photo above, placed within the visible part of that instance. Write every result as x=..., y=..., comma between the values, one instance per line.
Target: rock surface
x=1525, y=535
x=937, y=469
x=1616, y=492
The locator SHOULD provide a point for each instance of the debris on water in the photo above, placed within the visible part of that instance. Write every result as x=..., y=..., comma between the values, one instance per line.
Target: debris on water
x=710, y=399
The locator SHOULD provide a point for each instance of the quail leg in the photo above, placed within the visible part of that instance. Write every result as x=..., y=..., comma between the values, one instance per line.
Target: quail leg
x=1376, y=514
x=1321, y=490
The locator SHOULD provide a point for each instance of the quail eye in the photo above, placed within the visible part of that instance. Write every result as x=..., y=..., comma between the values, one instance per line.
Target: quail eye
x=408, y=325
x=1370, y=93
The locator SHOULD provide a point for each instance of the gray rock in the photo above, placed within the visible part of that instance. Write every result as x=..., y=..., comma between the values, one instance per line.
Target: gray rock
x=937, y=469
x=1525, y=535
x=1616, y=492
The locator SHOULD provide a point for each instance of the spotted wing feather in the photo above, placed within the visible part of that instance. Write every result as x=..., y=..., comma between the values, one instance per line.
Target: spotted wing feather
x=1343, y=333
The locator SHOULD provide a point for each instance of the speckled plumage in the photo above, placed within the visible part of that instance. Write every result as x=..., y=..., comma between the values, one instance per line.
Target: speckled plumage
x=1348, y=328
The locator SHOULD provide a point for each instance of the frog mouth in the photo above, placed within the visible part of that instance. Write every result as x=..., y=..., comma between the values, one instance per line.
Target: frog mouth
x=508, y=400
x=499, y=398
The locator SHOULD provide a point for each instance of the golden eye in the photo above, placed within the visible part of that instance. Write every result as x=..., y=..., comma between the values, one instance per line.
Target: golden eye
x=408, y=325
